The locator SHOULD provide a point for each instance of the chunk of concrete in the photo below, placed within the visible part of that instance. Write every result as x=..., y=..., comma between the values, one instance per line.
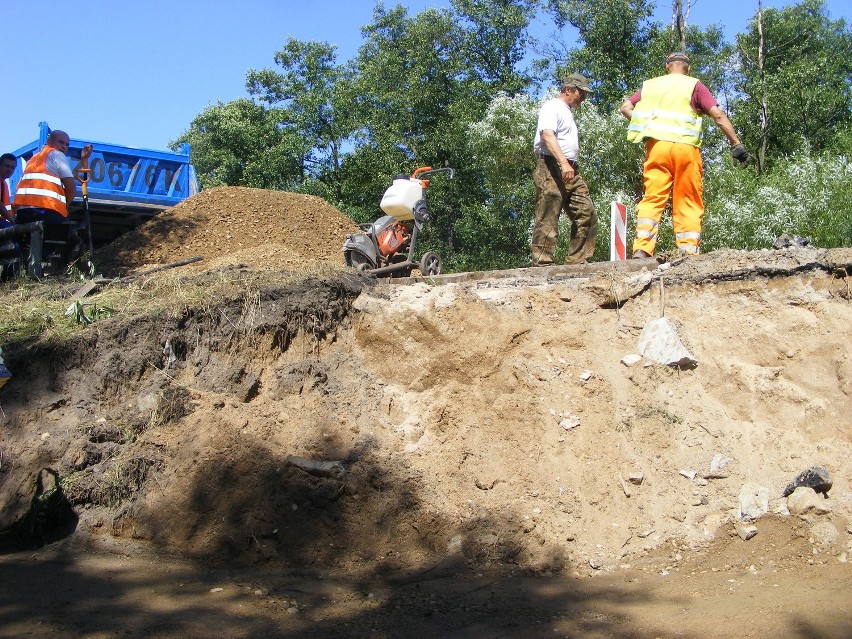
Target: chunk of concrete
x=661, y=342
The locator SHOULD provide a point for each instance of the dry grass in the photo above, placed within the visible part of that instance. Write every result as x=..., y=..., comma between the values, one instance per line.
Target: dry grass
x=36, y=310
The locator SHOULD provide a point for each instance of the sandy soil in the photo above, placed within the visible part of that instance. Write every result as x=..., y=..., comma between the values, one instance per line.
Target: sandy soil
x=458, y=457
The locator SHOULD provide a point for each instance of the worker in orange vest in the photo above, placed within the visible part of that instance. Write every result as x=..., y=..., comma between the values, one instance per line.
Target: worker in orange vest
x=47, y=186
x=7, y=167
x=665, y=116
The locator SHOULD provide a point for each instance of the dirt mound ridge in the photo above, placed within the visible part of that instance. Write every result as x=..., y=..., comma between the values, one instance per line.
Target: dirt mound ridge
x=232, y=224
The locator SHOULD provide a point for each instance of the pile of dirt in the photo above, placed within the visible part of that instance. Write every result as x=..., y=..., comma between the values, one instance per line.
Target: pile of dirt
x=270, y=230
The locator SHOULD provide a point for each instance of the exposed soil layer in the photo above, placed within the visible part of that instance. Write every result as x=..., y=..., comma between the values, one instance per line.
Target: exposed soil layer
x=343, y=456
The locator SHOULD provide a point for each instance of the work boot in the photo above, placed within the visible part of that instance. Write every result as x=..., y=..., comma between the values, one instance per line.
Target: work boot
x=640, y=255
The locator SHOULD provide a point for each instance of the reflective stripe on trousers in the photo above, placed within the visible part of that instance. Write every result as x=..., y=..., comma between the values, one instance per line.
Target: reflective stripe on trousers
x=676, y=170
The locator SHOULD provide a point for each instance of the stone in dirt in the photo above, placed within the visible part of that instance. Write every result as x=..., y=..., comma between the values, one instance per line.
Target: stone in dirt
x=660, y=341
x=815, y=477
x=745, y=531
x=805, y=500
x=754, y=501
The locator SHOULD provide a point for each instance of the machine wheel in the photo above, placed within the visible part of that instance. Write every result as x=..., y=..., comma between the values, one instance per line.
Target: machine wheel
x=430, y=264
x=358, y=261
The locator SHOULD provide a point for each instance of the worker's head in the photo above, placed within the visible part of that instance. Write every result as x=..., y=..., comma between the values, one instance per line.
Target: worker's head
x=59, y=140
x=575, y=88
x=8, y=162
x=677, y=62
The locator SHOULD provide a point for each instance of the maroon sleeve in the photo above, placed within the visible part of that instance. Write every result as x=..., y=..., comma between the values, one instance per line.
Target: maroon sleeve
x=634, y=99
x=702, y=99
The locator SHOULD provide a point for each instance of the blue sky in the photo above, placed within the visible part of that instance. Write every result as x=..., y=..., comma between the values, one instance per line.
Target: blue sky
x=137, y=73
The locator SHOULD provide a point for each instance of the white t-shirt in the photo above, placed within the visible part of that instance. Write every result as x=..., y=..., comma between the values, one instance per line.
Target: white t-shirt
x=57, y=163
x=556, y=116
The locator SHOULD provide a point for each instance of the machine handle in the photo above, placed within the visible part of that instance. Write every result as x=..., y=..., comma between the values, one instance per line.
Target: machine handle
x=423, y=171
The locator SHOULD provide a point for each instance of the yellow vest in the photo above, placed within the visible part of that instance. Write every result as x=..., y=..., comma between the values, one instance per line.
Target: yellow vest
x=665, y=112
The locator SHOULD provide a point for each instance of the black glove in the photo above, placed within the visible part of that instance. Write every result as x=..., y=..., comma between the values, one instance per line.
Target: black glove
x=739, y=153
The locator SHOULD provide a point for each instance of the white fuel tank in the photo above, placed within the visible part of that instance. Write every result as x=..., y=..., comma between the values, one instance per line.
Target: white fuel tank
x=402, y=196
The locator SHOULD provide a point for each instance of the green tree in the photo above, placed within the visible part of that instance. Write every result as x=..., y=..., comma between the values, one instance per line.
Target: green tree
x=499, y=225
x=240, y=142
x=310, y=103
x=495, y=37
x=616, y=36
x=806, y=81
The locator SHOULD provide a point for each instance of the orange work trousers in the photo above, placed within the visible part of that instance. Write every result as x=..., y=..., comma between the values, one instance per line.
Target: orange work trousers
x=675, y=169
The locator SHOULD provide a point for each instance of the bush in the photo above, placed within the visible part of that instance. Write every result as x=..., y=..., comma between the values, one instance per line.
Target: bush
x=802, y=195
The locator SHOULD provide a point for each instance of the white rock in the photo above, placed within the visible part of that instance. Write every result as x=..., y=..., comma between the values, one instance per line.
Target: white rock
x=754, y=501
x=745, y=532
x=629, y=360
x=718, y=462
x=805, y=500
x=569, y=422
x=660, y=342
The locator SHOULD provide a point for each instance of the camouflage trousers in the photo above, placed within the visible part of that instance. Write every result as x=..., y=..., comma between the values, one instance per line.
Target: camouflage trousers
x=553, y=196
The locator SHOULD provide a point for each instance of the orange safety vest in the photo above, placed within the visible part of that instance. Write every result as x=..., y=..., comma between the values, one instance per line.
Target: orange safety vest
x=40, y=189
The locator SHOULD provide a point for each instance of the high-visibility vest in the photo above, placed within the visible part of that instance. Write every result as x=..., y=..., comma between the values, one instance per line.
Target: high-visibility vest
x=665, y=112
x=39, y=188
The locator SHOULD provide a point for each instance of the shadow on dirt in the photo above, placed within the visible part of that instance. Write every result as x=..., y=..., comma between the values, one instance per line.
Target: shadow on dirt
x=90, y=595
x=301, y=549
x=48, y=519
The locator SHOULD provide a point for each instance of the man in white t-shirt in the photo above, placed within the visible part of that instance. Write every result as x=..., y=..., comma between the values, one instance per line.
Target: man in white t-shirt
x=558, y=183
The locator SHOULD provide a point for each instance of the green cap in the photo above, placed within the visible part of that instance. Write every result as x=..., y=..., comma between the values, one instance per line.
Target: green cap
x=577, y=80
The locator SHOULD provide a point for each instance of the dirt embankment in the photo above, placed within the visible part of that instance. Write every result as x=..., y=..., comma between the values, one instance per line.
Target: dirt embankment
x=343, y=426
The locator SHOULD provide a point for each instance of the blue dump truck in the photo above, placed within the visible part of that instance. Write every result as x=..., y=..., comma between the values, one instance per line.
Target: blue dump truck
x=124, y=187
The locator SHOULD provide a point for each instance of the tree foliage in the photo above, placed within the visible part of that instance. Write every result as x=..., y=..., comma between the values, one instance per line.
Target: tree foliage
x=457, y=86
x=807, y=81
x=240, y=143
x=617, y=38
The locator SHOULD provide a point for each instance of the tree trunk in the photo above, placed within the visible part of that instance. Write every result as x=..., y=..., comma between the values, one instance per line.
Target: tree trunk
x=764, y=106
x=679, y=24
